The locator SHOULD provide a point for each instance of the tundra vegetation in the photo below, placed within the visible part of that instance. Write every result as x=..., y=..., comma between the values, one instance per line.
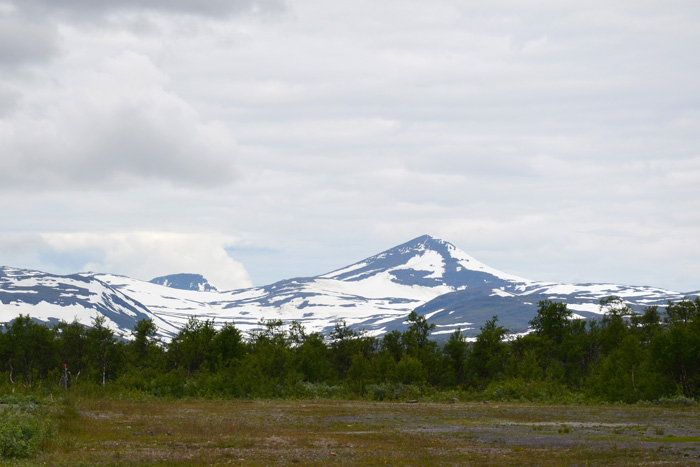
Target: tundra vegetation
x=64, y=373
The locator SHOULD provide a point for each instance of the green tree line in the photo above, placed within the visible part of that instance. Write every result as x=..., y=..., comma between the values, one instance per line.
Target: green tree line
x=622, y=357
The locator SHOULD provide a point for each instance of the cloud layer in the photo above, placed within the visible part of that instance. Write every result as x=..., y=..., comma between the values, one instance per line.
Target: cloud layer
x=141, y=255
x=553, y=141
x=212, y=8
x=109, y=126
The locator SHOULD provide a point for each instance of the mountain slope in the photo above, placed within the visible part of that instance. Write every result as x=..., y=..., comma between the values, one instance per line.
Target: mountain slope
x=51, y=298
x=452, y=289
x=184, y=282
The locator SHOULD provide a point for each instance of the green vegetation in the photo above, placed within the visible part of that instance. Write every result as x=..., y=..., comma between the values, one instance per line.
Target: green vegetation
x=25, y=427
x=81, y=396
x=623, y=357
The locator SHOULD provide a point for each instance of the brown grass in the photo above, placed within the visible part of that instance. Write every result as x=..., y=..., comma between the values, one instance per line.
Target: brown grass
x=368, y=433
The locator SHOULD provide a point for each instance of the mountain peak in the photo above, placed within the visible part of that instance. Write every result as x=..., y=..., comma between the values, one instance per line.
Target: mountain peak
x=424, y=261
x=185, y=281
x=423, y=240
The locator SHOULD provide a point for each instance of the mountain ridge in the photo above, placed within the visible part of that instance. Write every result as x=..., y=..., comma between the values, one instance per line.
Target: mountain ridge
x=428, y=275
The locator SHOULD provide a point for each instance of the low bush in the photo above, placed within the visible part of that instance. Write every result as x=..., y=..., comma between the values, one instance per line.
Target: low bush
x=678, y=401
x=307, y=390
x=393, y=392
x=517, y=389
x=24, y=429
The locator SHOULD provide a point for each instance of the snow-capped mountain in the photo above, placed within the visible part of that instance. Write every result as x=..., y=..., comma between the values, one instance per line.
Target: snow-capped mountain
x=452, y=289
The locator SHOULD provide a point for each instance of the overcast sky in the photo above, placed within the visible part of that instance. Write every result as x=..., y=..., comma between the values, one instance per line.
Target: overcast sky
x=258, y=140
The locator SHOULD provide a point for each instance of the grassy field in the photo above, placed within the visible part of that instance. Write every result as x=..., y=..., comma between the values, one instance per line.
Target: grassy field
x=328, y=432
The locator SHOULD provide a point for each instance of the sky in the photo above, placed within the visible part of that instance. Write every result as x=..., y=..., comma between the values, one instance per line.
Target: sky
x=257, y=140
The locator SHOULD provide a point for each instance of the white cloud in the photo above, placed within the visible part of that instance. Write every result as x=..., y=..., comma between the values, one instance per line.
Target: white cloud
x=214, y=8
x=111, y=126
x=25, y=39
x=145, y=255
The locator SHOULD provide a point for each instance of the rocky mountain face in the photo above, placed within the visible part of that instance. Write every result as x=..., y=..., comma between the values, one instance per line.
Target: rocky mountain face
x=433, y=277
x=185, y=282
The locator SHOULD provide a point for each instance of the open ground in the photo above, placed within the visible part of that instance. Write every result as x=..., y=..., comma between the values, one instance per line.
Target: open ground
x=327, y=432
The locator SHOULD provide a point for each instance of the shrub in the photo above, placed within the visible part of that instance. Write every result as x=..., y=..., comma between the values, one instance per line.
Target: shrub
x=307, y=390
x=26, y=401
x=23, y=431
x=678, y=401
x=528, y=390
x=393, y=392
